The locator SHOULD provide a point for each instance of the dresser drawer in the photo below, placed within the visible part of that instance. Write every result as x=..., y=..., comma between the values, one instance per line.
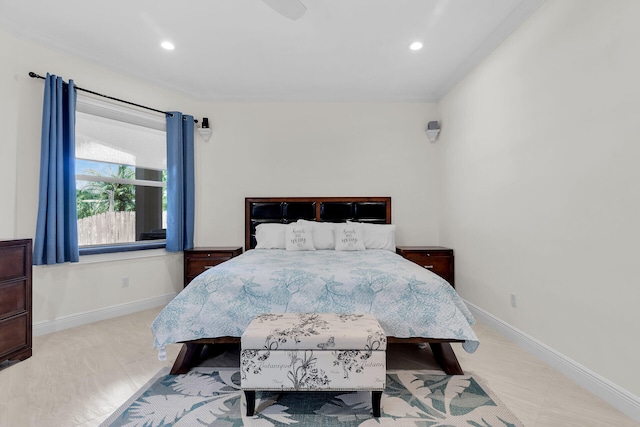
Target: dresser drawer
x=13, y=298
x=13, y=264
x=14, y=334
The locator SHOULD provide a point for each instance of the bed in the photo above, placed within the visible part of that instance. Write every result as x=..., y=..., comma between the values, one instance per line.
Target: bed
x=412, y=304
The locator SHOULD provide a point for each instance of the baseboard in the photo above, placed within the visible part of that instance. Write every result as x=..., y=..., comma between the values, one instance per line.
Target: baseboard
x=66, y=322
x=611, y=393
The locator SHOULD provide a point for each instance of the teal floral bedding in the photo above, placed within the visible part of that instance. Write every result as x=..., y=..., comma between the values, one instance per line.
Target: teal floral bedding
x=408, y=300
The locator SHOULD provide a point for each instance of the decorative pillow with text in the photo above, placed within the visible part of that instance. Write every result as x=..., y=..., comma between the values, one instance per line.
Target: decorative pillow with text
x=349, y=237
x=299, y=237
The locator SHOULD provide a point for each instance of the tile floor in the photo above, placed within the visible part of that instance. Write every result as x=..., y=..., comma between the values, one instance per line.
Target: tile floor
x=79, y=376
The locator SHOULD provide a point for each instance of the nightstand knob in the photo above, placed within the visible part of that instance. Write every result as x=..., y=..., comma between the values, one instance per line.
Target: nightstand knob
x=428, y=266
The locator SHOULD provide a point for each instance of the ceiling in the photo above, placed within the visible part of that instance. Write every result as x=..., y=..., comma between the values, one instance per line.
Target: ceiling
x=243, y=50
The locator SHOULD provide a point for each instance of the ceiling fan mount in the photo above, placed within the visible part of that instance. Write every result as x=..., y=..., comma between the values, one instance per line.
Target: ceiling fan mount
x=292, y=9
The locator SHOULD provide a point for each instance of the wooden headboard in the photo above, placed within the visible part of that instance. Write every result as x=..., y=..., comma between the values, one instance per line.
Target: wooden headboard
x=283, y=210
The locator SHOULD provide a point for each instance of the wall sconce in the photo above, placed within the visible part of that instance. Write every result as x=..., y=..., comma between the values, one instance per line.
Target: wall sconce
x=204, y=131
x=433, y=129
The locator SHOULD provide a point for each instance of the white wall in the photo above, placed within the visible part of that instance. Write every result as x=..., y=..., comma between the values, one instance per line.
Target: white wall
x=287, y=149
x=8, y=141
x=256, y=150
x=541, y=183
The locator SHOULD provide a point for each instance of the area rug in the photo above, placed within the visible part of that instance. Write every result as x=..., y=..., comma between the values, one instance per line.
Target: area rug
x=212, y=397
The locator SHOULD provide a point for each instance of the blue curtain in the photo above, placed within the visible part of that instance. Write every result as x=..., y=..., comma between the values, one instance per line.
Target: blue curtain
x=180, y=182
x=56, y=238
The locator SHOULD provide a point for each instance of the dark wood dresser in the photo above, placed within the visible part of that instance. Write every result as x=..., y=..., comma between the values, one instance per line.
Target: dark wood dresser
x=15, y=299
x=435, y=258
x=197, y=260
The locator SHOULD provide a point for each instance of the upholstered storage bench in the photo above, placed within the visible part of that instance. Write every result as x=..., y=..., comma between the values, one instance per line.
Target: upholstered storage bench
x=313, y=352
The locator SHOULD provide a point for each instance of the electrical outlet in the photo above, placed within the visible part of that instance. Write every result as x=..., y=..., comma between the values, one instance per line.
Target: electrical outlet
x=125, y=282
x=514, y=302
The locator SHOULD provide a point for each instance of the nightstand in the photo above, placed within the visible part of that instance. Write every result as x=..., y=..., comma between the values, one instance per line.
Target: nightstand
x=434, y=258
x=197, y=260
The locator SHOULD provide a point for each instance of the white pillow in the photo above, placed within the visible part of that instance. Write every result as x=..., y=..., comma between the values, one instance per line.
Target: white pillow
x=349, y=237
x=299, y=237
x=323, y=234
x=270, y=236
x=378, y=236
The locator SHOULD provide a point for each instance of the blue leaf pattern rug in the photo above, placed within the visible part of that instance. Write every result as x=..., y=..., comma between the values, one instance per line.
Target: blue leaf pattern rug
x=212, y=397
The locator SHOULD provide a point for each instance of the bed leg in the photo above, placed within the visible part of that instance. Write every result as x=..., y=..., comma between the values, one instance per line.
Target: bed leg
x=187, y=358
x=446, y=358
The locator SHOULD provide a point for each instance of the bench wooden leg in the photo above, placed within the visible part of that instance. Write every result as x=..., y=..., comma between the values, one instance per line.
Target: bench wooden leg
x=250, y=397
x=376, y=396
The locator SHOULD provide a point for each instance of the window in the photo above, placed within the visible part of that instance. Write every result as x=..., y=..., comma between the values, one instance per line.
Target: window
x=121, y=162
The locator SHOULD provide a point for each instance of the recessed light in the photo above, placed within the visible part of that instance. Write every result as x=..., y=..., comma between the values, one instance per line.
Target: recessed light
x=167, y=45
x=415, y=46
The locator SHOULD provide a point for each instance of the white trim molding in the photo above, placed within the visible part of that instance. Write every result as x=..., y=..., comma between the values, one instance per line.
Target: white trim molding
x=616, y=396
x=66, y=322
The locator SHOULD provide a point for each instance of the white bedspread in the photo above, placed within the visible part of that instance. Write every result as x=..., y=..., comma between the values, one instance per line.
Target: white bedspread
x=408, y=300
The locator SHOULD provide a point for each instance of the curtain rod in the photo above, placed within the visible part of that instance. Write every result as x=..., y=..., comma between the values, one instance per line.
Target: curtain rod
x=37, y=76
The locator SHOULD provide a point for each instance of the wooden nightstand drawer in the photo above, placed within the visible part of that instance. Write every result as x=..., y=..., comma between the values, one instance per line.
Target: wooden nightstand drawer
x=434, y=258
x=198, y=260
x=437, y=264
